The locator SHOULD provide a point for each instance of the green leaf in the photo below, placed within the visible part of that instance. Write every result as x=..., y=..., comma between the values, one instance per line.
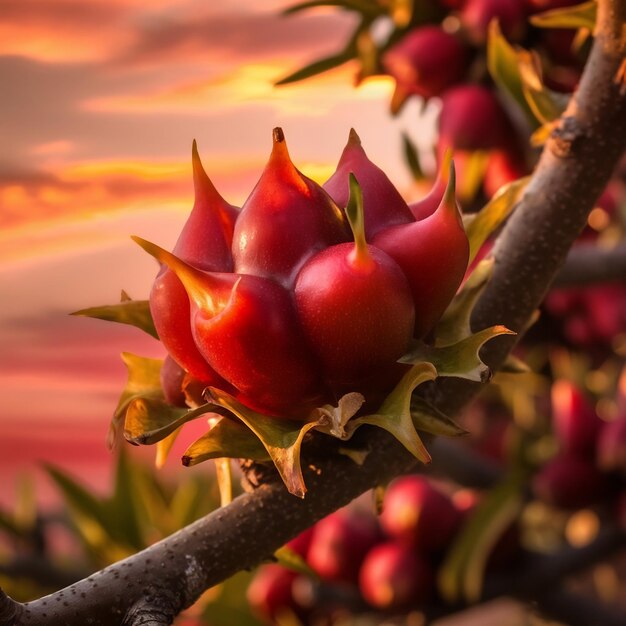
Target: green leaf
x=503, y=65
x=493, y=214
x=319, y=67
x=144, y=381
x=430, y=419
x=455, y=322
x=462, y=573
x=411, y=156
x=132, y=312
x=394, y=415
x=124, y=505
x=461, y=359
x=545, y=104
x=164, y=446
x=473, y=175
x=226, y=438
x=575, y=16
x=282, y=438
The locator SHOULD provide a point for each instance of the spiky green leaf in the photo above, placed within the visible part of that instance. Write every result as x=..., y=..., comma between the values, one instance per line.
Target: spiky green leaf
x=575, y=16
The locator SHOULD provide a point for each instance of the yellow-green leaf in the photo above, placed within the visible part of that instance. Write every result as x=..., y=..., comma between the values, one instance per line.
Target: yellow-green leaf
x=493, y=214
x=575, y=16
x=132, y=312
x=290, y=559
x=462, y=573
x=429, y=419
x=461, y=359
x=143, y=381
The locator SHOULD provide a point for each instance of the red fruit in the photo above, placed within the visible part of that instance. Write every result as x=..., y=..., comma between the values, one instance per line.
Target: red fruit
x=433, y=253
x=172, y=378
x=300, y=544
x=472, y=118
x=418, y=514
x=425, y=62
x=270, y=594
x=394, y=578
x=285, y=221
x=382, y=203
x=355, y=306
x=429, y=203
x=539, y=6
x=476, y=16
x=503, y=167
x=246, y=328
x=612, y=446
x=569, y=482
x=204, y=242
x=339, y=544
x=575, y=421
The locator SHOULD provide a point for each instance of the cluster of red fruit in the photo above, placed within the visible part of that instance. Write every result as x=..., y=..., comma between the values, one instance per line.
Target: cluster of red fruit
x=590, y=465
x=367, y=563
x=446, y=59
x=308, y=292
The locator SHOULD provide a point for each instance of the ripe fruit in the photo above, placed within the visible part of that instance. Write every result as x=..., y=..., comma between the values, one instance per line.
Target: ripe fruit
x=172, y=378
x=393, y=578
x=433, y=253
x=382, y=203
x=204, y=242
x=355, y=306
x=425, y=62
x=285, y=221
x=612, y=446
x=340, y=542
x=245, y=327
x=417, y=514
x=476, y=16
x=270, y=594
x=472, y=118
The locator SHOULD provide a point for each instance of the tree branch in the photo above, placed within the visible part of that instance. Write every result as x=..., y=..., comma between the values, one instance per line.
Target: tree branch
x=589, y=264
x=573, y=170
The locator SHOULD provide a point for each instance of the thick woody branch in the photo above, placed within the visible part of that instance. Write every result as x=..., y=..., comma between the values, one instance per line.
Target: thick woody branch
x=589, y=264
x=171, y=575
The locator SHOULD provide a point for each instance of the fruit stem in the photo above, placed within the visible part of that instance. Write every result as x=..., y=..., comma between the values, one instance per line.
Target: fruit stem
x=360, y=256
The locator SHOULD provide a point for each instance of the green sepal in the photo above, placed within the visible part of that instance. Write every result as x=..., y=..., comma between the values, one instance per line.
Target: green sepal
x=144, y=381
x=485, y=222
x=455, y=322
x=431, y=420
x=226, y=438
x=164, y=446
x=461, y=359
x=132, y=312
x=394, y=415
x=149, y=420
x=575, y=16
x=461, y=575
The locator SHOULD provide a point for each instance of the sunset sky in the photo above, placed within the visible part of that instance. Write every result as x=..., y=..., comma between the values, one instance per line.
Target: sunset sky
x=101, y=101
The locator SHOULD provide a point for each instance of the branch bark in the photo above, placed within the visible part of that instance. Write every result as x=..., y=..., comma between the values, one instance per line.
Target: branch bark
x=575, y=166
x=589, y=264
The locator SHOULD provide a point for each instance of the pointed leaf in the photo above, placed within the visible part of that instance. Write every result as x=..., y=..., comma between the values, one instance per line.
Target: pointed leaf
x=149, y=420
x=546, y=105
x=575, y=16
x=333, y=420
x=282, y=438
x=164, y=446
x=493, y=214
x=132, y=312
x=394, y=415
x=429, y=419
x=455, y=322
x=226, y=438
x=123, y=507
x=503, y=65
x=318, y=67
x=473, y=175
x=462, y=573
x=144, y=380
x=461, y=359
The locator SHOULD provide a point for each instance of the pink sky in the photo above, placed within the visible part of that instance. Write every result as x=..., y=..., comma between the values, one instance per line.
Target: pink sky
x=102, y=101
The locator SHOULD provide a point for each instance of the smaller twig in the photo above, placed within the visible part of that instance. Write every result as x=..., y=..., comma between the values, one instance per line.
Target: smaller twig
x=10, y=610
x=588, y=264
